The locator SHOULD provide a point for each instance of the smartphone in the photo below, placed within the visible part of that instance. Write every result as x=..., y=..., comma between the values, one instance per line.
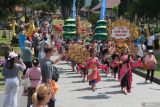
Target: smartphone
x=19, y=57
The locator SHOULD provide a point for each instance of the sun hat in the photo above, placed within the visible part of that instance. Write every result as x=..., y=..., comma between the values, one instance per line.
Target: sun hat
x=150, y=51
x=36, y=35
x=13, y=54
x=27, y=43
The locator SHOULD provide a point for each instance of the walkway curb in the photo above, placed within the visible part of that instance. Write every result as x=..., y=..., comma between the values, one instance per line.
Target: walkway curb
x=143, y=74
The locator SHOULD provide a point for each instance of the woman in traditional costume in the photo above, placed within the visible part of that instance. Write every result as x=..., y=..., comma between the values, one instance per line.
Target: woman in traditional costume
x=93, y=75
x=82, y=69
x=125, y=74
x=115, y=64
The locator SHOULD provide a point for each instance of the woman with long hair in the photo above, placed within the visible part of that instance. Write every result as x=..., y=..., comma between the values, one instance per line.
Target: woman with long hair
x=10, y=72
x=125, y=71
x=34, y=74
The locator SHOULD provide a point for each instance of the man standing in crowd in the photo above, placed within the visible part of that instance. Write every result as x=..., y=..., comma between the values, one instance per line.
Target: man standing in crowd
x=150, y=42
x=156, y=42
x=27, y=59
x=48, y=71
x=141, y=50
x=35, y=44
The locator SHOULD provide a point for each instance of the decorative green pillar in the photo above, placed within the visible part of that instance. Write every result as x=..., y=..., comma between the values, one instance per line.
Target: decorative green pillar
x=69, y=29
x=100, y=30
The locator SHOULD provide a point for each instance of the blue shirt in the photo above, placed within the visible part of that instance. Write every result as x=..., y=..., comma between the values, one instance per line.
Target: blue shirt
x=26, y=54
x=142, y=38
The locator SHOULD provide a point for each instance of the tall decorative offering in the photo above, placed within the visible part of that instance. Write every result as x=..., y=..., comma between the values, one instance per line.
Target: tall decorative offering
x=69, y=29
x=124, y=33
x=100, y=30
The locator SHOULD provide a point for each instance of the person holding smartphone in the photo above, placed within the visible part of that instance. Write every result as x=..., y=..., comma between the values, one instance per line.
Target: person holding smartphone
x=10, y=72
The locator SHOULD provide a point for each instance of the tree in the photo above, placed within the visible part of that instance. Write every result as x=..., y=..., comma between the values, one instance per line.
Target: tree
x=80, y=3
x=94, y=17
x=65, y=8
x=145, y=8
x=93, y=3
x=53, y=5
x=123, y=6
x=7, y=8
x=144, y=11
x=9, y=4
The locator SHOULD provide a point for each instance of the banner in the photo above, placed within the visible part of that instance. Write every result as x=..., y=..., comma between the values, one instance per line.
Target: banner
x=74, y=9
x=103, y=9
x=120, y=32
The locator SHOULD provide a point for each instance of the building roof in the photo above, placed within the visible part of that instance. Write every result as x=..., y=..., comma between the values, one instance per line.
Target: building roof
x=109, y=4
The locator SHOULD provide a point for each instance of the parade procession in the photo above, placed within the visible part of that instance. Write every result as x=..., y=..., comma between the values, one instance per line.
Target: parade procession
x=82, y=53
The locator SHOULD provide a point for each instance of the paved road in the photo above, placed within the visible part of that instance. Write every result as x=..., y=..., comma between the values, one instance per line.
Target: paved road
x=75, y=93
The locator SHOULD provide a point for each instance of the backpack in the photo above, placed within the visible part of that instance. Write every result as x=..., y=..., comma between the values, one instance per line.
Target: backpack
x=55, y=74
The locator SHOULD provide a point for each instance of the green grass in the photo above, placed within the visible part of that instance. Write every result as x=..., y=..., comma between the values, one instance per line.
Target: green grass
x=1, y=81
x=157, y=72
x=4, y=40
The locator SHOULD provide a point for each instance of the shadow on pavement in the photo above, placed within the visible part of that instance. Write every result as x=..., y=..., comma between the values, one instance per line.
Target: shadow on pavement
x=70, y=72
x=114, y=92
x=103, y=76
x=155, y=89
x=77, y=76
x=115, y=86
x=77, y=81
x=142, y=83
x=109, y=80
x=66, y=69
x=63, y=63
x=102, y=96
x=83, y=89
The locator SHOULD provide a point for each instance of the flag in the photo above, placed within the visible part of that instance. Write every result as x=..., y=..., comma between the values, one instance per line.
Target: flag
x=74, y=9
x=103, y=9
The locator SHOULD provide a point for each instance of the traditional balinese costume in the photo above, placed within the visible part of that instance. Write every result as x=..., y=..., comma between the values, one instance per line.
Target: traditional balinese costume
x=115, y=66
x=82, y=69
x=125, y=75
x=93, y=75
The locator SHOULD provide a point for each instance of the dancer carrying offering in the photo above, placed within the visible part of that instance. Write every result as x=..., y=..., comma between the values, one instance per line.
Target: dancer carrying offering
x=93, y=75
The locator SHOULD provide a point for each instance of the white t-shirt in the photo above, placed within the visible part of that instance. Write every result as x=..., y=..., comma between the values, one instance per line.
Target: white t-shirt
x=150, y=40
x=141, y=50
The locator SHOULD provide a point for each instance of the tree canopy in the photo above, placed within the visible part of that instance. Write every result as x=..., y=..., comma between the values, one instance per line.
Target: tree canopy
x=93, y=3
x=143, y=8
